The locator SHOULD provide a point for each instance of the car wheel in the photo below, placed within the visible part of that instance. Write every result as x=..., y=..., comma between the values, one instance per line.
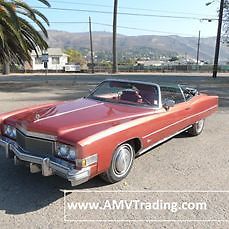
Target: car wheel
x=121, y=164
x=196, y=128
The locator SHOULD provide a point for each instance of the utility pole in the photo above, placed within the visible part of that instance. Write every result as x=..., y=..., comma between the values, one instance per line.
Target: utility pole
x=91, y=45
x=198, y=50
x=115, y=68
x=217, y=46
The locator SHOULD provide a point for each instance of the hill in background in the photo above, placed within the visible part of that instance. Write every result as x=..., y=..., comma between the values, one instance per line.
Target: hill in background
x=138, y=46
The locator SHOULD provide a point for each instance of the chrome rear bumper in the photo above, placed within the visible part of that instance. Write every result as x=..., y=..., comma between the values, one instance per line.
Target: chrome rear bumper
x=47, y=165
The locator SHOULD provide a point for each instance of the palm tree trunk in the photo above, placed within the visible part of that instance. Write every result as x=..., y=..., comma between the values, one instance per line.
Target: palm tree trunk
x=6, y=68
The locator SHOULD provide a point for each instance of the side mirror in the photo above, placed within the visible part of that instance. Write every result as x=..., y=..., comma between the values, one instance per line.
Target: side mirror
x=168, y=103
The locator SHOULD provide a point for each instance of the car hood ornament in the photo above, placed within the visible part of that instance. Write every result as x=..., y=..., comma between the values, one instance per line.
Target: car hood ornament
x=37, y=117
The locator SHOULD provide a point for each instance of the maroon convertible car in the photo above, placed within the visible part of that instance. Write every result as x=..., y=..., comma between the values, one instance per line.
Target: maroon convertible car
x=103, y=132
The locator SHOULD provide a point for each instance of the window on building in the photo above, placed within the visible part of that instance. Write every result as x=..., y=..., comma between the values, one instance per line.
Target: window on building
x=38, y=60
x=55, y=60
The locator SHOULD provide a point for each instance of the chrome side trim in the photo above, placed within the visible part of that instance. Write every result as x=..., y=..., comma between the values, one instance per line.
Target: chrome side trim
x=163, y=140
x=36, y=135
x=88, y=160
x=191, y=116
x=91, y=159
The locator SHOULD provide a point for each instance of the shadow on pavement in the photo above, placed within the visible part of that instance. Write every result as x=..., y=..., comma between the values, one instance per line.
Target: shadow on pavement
x=22, y=192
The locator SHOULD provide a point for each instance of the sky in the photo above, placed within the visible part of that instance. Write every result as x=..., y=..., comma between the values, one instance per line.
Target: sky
x=144, y=17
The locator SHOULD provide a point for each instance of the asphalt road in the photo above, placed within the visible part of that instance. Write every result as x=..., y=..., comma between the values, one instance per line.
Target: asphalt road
x=182, y=163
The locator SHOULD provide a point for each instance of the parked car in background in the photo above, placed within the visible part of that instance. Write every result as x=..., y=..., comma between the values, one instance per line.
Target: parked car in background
x=72, y=68
x=102, y=133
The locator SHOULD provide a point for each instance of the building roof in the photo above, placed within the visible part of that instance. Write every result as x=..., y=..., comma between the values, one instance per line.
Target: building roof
x=55, y=51
x=51, y=52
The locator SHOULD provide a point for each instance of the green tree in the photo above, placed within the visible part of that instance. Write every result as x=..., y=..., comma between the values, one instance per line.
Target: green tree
x=75, y=56
x=18, y=37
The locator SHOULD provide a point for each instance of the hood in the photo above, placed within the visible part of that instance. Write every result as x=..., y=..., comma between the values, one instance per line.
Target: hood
x=82, y=117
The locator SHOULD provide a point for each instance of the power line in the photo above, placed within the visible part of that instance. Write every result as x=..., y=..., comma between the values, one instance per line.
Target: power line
x=67, y=22
x=140, y=29
x=124, y=13
x=121, y=27
x=130, y=8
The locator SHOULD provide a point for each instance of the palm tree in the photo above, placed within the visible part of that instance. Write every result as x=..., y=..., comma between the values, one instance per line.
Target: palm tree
x=18, y=37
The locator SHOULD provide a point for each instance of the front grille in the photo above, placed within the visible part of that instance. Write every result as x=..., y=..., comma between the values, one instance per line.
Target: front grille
x=35, y=146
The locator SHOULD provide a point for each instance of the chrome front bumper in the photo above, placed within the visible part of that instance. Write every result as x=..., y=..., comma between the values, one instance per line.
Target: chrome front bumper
x=47, y=165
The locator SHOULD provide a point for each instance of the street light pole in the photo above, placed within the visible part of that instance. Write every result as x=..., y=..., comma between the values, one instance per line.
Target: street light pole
x=218, y=38
x=115, y=68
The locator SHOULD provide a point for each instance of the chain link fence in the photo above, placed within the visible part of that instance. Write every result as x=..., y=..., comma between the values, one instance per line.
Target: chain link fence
x=137, y=68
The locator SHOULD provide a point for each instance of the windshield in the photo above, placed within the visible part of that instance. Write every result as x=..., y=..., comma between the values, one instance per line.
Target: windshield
x=127, y=92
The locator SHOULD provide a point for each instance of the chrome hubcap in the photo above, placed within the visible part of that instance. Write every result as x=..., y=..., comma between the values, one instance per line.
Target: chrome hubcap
x=122, y=160
x=199, y=125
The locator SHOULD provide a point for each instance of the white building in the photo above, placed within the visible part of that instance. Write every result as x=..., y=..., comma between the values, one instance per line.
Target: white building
x=56, y=60
x=147, y=63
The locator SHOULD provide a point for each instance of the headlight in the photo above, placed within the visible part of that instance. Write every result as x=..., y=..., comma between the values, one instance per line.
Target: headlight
x=10, y=131
x=66, y=152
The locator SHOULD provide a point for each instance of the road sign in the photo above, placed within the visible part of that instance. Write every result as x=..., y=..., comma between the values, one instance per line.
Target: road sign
x=45, y=58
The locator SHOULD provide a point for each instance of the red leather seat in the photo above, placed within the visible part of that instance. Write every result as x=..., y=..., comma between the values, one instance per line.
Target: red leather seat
x=130, y=95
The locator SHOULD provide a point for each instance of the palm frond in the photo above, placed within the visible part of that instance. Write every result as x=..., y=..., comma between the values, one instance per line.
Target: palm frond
x=42, y=16
x=8, y=9
x=45, y=2
x=2, y=36
x=18, y=37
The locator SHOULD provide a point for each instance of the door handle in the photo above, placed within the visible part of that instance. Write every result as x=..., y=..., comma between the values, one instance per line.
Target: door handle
x=187, y=108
